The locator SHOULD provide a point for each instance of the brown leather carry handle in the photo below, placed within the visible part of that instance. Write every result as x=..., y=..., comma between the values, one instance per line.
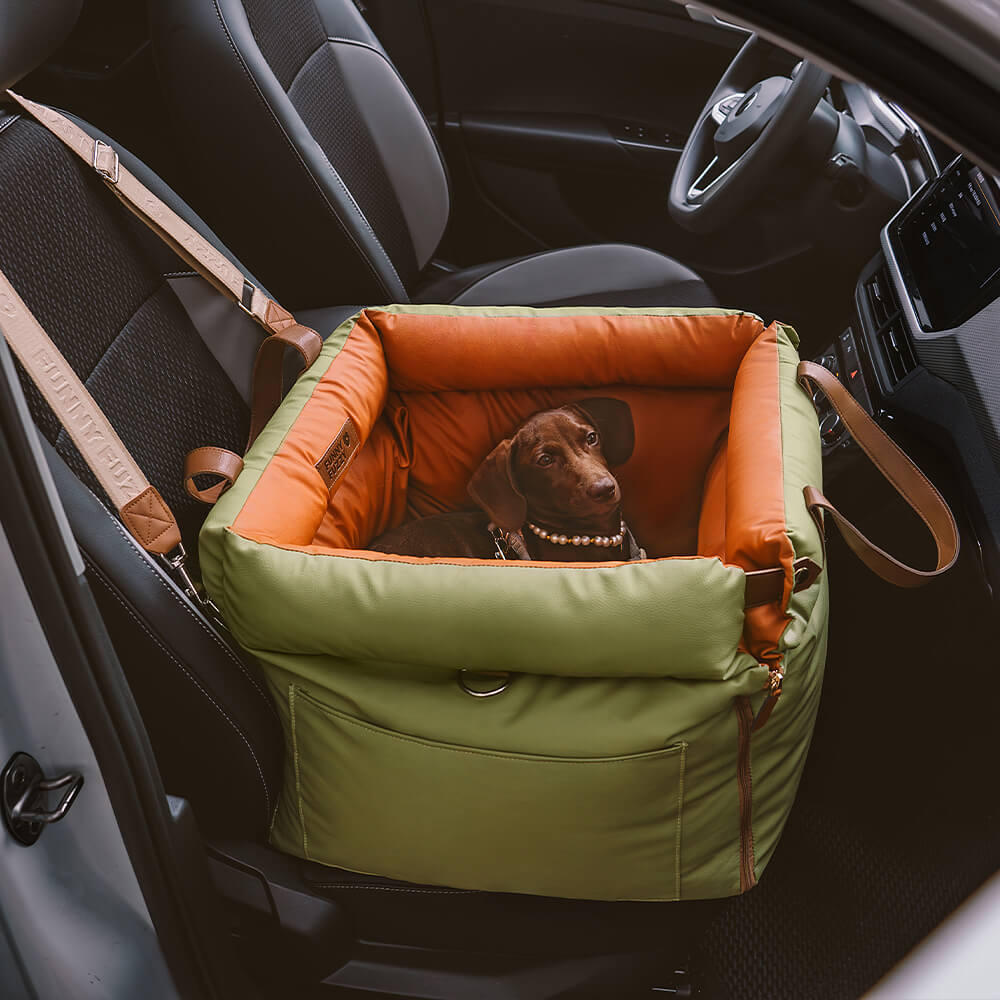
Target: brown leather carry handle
x=221, y=463
x=268, y=370
x=911, y=484
x=268, y=379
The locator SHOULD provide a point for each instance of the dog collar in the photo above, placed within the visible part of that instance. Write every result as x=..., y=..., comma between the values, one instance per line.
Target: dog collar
x=601, y=541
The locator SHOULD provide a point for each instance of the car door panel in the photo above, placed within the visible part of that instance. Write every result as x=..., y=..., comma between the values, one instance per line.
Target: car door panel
x=561, y=120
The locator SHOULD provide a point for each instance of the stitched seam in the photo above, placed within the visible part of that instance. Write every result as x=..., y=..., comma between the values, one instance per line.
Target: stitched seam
x=339, y=179
x=138, y=620
x=85, y=379
x=789, y=581
x=305, y=62
x=471, y=564
x=886, y=440
x=268, y=109
x=10, y=121
x=899, y=488
x=430, y=132
x=392, y=888
x=180, y=602
x=903, y=492
x=298, y=774
x=682, y=767
x=184, y=607
x=584, y=311
x=144, y=528
x=519, y=758
x=524, y=260
x=180, y=274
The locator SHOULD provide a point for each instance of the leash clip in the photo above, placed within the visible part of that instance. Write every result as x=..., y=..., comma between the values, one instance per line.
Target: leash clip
x=175, y=561
x=500, y=540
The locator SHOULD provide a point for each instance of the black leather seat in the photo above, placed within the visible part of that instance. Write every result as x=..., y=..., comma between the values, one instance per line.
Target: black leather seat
x=312, y=158
x=169, y=360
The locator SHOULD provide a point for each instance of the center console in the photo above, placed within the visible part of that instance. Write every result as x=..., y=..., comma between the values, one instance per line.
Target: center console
x=946, y=245
x=924, y=344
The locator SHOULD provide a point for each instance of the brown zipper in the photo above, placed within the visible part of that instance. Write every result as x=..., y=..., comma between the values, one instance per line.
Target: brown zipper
x=744, y=717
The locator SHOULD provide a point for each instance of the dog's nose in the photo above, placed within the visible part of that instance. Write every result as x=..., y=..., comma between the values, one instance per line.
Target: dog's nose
x=602, y=489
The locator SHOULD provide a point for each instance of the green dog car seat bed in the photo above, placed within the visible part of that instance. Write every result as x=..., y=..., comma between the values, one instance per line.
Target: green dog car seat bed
x=619, y=757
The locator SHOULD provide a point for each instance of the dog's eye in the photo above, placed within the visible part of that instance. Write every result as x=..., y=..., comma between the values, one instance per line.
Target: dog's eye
x=544, y=459
x=592, y=437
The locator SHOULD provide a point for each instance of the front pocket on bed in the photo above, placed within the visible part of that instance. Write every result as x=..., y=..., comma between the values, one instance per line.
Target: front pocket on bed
x=385, y=803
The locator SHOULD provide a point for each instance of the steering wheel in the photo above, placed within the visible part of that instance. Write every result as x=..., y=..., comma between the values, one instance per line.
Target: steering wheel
x=742, y=134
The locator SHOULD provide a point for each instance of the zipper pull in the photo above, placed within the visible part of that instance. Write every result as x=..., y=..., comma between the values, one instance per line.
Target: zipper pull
x=775, y=677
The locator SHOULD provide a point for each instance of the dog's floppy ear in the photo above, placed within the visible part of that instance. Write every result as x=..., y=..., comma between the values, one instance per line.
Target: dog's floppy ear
x=492, y=487
x=613, y=420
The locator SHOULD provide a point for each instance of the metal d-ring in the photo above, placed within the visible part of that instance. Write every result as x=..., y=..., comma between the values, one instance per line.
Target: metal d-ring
x=484, y=673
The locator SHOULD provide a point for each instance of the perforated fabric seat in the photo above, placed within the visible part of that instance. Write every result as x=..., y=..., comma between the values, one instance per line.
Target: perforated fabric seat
x=347, y=197
x=98, y=282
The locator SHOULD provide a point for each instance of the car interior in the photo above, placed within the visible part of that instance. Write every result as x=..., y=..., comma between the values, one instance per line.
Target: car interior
x=553, y=152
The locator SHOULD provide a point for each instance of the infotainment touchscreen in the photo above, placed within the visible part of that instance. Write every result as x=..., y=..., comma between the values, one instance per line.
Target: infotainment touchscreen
x=949, y=247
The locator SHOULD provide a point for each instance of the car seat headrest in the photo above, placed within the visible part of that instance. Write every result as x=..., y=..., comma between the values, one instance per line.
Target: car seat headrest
x=31, y=33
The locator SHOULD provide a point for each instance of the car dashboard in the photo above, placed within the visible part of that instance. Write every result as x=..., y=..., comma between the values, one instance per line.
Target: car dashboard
x=924, y=346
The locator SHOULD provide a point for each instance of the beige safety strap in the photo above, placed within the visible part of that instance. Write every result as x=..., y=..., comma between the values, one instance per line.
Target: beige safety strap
x=142, y=509
x=187, y=242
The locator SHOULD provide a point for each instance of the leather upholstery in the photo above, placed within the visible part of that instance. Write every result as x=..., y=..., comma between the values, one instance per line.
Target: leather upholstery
x=31, y=33
x=603, y=274
x=236, y=111
x=296, y=102
x=210, y=721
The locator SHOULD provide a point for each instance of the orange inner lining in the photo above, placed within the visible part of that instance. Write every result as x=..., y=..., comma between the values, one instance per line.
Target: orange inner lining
x=434, y=394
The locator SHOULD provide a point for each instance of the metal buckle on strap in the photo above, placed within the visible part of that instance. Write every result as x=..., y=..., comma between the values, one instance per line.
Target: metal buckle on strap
x=245, y=301
x=108, y=173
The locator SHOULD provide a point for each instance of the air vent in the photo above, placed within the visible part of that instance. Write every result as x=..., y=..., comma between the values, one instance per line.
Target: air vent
x=881, y=296
x=897, y=351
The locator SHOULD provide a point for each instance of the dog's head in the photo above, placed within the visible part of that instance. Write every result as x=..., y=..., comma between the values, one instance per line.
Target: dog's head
x=555, y=469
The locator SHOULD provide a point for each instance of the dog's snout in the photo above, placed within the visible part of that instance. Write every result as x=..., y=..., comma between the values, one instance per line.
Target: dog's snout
x=602, y=489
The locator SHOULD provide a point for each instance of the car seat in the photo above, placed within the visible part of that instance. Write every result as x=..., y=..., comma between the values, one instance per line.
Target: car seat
x=169, y=361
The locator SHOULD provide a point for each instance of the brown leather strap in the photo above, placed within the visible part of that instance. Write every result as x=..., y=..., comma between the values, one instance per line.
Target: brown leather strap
x=142, y=510
x=902, y=474
x=765, y=586
x=219, y=462
x=268, y=370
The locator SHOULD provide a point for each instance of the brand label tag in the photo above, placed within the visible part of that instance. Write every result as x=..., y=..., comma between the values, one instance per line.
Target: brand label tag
x=338, y=456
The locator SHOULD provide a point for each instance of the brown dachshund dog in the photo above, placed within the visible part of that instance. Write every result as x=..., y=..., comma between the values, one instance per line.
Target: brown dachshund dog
x=545, y=493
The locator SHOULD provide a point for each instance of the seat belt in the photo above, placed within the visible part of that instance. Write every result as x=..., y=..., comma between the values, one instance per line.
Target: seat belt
x=139, y=505
x=280, y=325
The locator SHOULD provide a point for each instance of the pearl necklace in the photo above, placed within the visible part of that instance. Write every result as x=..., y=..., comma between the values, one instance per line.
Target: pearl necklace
x=601, y=541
